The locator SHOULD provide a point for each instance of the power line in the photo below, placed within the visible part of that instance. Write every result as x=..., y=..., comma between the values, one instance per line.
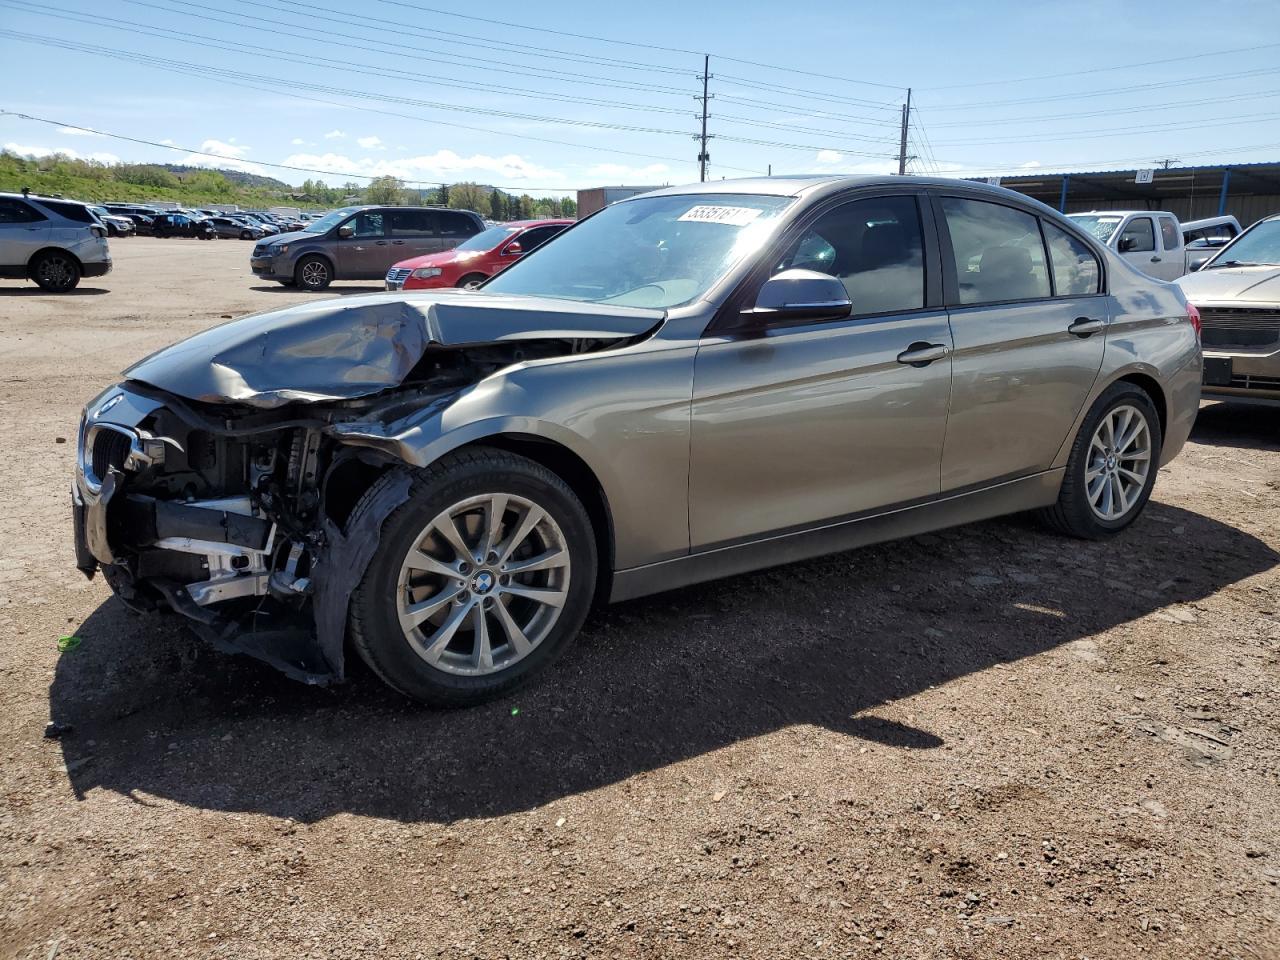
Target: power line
x=1111, y=91
x=221, y=77
x=1122, y=66
x=1171, y=105
x=392, y=73
x=1108, y=132
x=260, y=163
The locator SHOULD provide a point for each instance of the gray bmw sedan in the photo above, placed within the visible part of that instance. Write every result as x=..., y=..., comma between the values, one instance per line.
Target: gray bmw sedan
x=689, y=384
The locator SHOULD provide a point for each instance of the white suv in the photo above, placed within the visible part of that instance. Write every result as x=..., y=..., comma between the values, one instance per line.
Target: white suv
x=53, y=242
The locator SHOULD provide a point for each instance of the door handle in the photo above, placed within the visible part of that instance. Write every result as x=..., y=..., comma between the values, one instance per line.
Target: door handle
x=397, y=242
x=1155, y=259
x=379, y=243
x=1085, y=326
x=922, y=353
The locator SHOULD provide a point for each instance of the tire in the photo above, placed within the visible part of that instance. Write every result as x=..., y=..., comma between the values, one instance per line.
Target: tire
x=440, y=661
x=1101, y=493
x=55, y=271
x=313, y=273
x=471, y=280
x=246, y=235
x=286, y=283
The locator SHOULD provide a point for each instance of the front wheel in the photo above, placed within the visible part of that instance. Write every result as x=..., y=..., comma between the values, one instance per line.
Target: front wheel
x=313, y=273
x=246, y=235
x=482, y=578
x=56, y=272
x=1112, y=466
x=472, y=280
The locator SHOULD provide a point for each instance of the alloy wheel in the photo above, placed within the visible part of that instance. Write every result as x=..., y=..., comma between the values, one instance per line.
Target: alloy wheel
x=314, y=273
x=483, y=584
x=1119, y=462
x=55, y=272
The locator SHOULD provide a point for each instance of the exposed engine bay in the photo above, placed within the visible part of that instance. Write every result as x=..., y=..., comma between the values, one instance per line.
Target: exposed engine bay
x=230, y=503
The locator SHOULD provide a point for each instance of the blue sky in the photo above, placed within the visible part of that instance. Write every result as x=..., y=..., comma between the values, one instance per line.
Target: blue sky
x=427, y=94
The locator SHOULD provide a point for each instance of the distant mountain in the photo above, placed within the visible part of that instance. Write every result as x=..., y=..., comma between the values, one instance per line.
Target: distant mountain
x=235, y=176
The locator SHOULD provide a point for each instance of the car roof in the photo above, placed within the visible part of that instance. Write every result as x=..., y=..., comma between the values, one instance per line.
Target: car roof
x=38, y=198
x=798, y=185
x=549, y=221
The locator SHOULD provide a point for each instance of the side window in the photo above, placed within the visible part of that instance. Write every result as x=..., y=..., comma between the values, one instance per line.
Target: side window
x=874, y=247
x=1075, y=268
x=531, y=239
x=1169, y=233
x=15, y=211
x=72, y=211
x=998, y=251
x=368, y=223
x=408, y=223
x=456, y=225
x=1138, y=237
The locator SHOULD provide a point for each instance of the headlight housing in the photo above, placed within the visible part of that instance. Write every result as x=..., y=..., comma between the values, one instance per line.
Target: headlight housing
x=279, y=248
x=426, y=273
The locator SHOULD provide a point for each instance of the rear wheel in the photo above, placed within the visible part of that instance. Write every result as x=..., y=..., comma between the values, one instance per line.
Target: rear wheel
x=313, y=273
x=472, y=280
x=482, y=578
x=246, y=235
x=1112, y=466
x=55, y=271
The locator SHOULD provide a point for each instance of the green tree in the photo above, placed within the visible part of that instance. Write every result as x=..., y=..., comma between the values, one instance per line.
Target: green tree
x=467, y=196
x=387, y=190
x=568, y=207
x=497, y=206
x=526, y=207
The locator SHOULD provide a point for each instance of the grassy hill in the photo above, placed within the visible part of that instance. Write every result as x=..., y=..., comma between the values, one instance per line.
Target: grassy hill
x=89, y=180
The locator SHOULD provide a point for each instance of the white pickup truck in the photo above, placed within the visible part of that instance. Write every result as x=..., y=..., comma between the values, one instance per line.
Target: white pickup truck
x=1149, y=239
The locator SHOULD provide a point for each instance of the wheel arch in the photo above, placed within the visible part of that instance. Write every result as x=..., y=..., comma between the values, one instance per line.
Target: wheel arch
x=52, y=249
x=322, y=254
x=1140, y=375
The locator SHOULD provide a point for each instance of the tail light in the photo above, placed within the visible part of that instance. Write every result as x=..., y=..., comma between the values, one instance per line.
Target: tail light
x=1194, y=316
x=97, y=231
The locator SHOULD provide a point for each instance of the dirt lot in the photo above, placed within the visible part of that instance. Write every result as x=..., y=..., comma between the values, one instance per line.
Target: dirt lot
x=986, y=743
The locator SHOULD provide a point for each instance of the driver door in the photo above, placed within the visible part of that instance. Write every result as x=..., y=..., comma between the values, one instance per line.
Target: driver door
x=797, y=424
x=362, y=256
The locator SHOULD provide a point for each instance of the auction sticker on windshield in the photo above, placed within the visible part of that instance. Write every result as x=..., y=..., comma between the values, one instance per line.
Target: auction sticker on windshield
x=735, y=216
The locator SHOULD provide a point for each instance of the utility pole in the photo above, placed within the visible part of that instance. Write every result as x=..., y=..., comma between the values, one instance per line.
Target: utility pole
x=902, y=140
x=1167, y=162
x=703, y=156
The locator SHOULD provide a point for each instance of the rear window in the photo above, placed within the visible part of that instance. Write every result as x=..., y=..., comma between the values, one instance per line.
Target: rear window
x=456, y=224
x=1169, y=233
x=408, y=223
x=72, y=211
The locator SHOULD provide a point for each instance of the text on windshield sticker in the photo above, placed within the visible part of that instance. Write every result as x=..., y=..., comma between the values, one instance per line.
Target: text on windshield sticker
x=735, y=216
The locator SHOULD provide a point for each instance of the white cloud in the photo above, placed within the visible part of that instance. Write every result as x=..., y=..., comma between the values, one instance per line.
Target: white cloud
x=371, y=143
x=228, y=149
x=1030, y=165
x=621, y=173
x=26, y=150
x=443, y=165
x=829, y=156
x=335, y=135
x=77, y=132
x=299, y=142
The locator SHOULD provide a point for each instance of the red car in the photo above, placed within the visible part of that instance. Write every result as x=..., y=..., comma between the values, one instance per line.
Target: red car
x=476, y=260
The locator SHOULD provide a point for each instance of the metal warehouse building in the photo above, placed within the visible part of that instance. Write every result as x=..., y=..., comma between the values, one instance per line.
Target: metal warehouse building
x=1248, y=191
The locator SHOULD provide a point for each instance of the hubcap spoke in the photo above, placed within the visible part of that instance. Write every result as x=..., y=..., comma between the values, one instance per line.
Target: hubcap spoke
x=481, y=651
x=417, y=560
x=532, y=517
x=494, y=512
x=1119, y=462
x=437, y=642
x=543, y=561
x=551, y=597
x=415, y=613
x=447, y=528
x=515, y=636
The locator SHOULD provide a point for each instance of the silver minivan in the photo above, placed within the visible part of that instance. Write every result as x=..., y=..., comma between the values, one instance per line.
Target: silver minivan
x=360, y=243
x=53, y=242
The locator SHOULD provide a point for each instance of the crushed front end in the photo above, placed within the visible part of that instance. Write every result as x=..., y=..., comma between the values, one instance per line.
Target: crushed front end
x=214, y=517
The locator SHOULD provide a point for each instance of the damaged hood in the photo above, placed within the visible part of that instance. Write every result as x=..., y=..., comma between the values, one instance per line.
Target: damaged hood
x=355, y=346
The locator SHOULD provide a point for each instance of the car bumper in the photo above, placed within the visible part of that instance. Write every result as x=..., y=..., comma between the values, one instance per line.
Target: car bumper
x=99, y=269
x=413, y=283
x=270, y=268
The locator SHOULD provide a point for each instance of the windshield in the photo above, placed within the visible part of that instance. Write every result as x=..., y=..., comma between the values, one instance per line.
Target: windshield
x=487, y=239
x=654, y=252
x=1100, y=227
x=328, y=221
x=1259, y=244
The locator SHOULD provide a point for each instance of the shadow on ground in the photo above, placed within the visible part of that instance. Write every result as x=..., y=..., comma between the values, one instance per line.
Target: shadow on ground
x=650, y=683
x=34, y=291
x=1241, y=425
x=333, y=290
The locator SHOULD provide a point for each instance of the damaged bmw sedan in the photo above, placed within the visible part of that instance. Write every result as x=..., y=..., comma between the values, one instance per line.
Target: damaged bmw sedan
x=690, y=384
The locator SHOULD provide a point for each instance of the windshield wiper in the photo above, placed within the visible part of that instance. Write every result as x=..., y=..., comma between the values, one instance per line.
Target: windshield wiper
x=1231, y=263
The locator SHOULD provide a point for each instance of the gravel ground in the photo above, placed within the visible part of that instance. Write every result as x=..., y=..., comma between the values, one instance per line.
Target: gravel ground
x=986, y=743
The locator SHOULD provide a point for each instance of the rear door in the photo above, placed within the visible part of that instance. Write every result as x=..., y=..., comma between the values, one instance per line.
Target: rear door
x=23, y=230
x=807, y=422
x=1173, y=257
x=410, y=233
x=1028, y=326
x=364, y=254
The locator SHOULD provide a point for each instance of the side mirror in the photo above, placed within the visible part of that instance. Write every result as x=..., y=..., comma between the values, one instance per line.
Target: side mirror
x=513, y=249
x=346, y=231
x=802, y=294
x=1126, y=244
